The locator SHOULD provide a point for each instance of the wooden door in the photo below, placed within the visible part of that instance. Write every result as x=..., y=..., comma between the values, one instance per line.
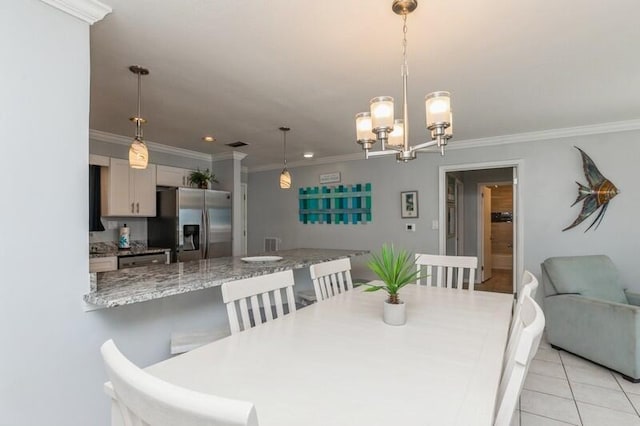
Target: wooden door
x=486, y=233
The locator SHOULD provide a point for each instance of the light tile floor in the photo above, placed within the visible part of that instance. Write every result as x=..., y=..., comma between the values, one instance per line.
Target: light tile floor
x=562, y=389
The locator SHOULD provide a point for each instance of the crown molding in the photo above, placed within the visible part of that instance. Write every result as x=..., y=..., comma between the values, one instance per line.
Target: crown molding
x=90, y=11
x=233, y=155
x=543, y=135
x=123, y=140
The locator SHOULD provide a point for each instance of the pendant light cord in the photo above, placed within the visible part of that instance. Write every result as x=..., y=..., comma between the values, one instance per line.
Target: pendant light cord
x=284, y=150
x=405, y=74
x=139, y=117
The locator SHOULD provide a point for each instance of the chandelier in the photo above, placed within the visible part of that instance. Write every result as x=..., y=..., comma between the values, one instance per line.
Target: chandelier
x=138, y=152
x=379, y=124
x=285, y=176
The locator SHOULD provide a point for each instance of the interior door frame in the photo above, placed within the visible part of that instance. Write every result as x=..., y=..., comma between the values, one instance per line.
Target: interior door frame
x=518, y=213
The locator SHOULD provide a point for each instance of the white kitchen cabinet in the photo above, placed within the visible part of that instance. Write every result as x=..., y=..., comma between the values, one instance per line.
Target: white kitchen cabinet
x=173, y=176
x=126, y=191
x=103, y=264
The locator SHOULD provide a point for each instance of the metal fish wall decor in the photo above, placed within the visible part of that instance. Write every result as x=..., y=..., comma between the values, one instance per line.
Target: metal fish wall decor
x=596, y=195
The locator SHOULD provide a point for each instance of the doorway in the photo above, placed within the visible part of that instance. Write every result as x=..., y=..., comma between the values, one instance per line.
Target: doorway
x=495, y=236
x=500, y=268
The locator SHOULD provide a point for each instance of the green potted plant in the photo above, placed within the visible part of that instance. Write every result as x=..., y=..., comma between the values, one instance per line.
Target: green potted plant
x=202, y=178
x=396, y=268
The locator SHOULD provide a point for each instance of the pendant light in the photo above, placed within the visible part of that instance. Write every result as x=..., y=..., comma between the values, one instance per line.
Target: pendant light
x=138, y=152
x=285, y=176
x=378, y=124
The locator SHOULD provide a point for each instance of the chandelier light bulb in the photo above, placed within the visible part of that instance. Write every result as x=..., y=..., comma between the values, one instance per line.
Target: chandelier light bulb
x=438, y=106
x=396, y=137
x=382, y=113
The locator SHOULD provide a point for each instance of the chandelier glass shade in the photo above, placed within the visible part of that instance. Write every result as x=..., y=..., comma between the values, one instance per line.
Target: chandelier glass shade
x=380, y=124
x=138, y=151
x=285, y=176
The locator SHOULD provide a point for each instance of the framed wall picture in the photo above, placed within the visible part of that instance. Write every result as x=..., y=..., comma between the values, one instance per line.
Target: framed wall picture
x=409, y=204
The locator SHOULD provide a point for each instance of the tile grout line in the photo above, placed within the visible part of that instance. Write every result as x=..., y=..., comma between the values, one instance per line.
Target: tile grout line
x=571, y=389
x=547, y=417
x=625, y=394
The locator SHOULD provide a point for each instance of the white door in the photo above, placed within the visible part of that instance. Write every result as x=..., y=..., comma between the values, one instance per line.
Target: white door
x=486, y=233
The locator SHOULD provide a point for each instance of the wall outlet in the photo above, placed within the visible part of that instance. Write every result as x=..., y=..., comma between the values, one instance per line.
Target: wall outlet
x=411, y=227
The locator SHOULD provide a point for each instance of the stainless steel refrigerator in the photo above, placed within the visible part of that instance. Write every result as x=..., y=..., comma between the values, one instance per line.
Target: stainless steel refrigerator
x=194, y=223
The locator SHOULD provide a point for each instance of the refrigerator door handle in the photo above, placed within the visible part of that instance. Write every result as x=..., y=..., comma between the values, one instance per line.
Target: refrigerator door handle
x=206, y=232
x=203, y=236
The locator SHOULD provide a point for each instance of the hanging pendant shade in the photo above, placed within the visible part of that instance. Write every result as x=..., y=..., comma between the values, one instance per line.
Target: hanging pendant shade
x=285, y=179
x=285, y=176
x=138, y=152
x=138, y=155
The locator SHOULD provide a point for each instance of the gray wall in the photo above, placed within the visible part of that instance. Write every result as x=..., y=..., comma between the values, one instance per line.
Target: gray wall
x=50, y=366
x=547, y=186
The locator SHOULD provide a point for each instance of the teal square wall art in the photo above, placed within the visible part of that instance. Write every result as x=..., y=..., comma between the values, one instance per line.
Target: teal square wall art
x=340, y=204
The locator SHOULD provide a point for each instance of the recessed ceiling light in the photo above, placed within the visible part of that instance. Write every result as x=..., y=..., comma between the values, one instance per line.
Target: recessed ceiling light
x=308, y=155
x=208, y=139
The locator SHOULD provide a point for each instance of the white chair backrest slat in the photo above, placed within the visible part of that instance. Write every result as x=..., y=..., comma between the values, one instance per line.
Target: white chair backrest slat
x=146, y=400
x=517, y=366
x=331, y=278
x=447, y=270
x=250, y=288
x=234, y=324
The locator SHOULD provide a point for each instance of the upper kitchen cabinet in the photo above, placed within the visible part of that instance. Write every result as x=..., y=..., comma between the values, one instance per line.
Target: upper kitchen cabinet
x=126, y=191
x=173, y=176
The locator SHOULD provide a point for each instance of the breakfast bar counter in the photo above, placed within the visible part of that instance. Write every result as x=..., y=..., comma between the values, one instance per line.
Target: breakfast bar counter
x=127, y=286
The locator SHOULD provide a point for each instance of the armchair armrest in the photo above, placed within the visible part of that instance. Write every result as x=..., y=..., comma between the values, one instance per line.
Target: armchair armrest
x=633, y=298
x=604, y=332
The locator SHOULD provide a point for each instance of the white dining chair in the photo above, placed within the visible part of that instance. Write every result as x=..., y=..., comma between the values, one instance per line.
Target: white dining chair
x=147, y=400
x=441, y=270
x=243, y=304
x=331, y=278
x=517, y=365
x=529, y=288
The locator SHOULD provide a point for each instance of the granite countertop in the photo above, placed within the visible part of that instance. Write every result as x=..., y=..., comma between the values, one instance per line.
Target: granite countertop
x=135, y=285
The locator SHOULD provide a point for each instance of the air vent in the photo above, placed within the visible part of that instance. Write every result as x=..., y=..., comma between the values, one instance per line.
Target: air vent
x=237, y=144
x=271, y=244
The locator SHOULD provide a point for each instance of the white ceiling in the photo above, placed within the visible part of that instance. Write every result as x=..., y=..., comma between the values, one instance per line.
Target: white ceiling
x=240, y=69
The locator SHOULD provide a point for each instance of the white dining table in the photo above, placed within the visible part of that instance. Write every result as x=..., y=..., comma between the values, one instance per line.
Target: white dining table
x=337, y=363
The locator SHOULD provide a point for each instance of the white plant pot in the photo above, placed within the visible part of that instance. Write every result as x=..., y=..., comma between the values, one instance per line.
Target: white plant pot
x=394, y=314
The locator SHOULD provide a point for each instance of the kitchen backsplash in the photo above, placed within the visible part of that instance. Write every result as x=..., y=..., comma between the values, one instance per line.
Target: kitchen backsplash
x=137, y=229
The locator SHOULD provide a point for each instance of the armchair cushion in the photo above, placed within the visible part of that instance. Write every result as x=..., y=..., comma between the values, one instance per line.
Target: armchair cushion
x=590, y=276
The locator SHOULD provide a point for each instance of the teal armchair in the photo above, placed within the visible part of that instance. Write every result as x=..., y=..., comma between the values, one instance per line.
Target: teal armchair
x=588, y=312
